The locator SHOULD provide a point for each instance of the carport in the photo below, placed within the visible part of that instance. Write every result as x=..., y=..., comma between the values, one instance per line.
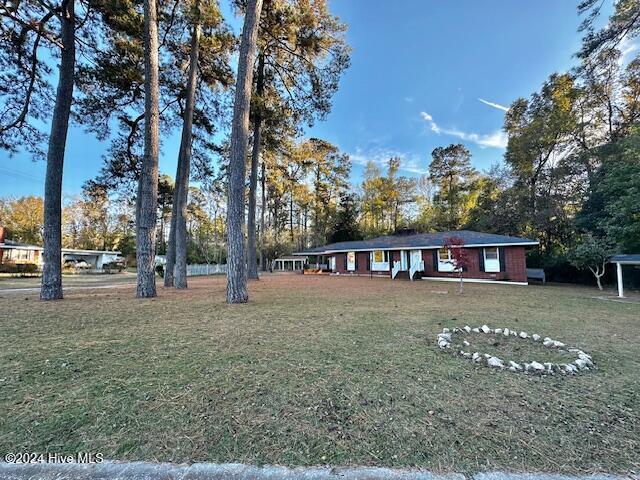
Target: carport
x=620, y=261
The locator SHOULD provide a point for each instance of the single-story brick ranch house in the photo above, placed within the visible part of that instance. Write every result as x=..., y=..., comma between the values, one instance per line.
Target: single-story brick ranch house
x=493, y=257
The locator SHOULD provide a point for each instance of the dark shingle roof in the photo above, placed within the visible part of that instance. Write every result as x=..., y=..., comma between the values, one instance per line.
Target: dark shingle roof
x=627, y=257
x=419, y=240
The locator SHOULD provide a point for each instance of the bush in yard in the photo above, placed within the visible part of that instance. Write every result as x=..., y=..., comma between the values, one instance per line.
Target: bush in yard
x=18, y=268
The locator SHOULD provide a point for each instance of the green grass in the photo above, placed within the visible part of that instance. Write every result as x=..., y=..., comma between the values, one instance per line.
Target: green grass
x=316, y=370
x=519, y=350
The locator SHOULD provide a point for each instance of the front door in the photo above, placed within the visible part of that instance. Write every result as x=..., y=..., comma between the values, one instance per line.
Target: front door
x=416, y=257
x=404, y=261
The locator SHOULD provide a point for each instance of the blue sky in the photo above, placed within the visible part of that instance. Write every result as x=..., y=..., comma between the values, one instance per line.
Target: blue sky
x=420, y=71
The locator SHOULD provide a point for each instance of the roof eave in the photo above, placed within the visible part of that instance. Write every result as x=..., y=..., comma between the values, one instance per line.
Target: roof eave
x=420, y=247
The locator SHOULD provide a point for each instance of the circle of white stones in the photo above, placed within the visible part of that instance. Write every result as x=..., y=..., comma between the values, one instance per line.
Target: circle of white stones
x=583, y=361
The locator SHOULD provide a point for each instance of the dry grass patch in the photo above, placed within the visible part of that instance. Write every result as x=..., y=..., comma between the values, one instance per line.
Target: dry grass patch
x=316, y=370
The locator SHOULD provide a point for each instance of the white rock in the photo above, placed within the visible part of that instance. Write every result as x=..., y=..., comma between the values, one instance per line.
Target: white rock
x=485, y=329
x=467, y=328
x=534, y=367
x=495, y=362
x=548, y=343
x=557, y=344
x=466, y=354
x=569, y=368
x=549, y=367
x=465, y=343
x=536, y=337
x=486, y=355
x=515, y=365
x=581, y=364
x=442, y=343
x=445, y=330
x=505, y=332
x=475, y=330
x=514, y=333
x=586, y=358
x=513, y=369
x=475, y=356
x=498, y=331
x=446, y=336
x=523, y=335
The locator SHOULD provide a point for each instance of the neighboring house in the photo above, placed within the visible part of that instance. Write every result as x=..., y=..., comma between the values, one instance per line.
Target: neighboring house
x=21, y=253
x=493, y=257
x=288, y=263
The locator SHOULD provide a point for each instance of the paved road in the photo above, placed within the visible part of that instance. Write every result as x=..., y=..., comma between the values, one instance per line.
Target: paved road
x=210, y=471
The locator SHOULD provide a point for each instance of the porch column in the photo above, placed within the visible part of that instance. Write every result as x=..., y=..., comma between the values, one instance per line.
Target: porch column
x=619, y=274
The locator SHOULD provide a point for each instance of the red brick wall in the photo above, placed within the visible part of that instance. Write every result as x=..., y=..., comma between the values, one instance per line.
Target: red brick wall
x=362, y=264
x=515, y=266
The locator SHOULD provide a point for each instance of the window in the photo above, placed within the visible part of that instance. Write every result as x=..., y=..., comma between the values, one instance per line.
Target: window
x=491, y=260
x=351, y=261
x=380, y=260
x=444, y=254
x=444, y=260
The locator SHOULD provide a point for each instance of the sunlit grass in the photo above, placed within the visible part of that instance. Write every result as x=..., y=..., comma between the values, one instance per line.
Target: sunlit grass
x=317, y=370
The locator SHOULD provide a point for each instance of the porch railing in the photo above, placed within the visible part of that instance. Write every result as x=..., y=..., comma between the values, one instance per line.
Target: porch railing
x=415, y=268
x=395, y=270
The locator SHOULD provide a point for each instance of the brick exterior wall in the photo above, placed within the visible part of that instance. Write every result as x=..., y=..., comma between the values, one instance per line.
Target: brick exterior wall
x=515, y=265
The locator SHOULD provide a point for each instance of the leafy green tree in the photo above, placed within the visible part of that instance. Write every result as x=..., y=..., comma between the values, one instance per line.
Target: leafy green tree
x=329, y=170
x=23, y=218
x=451, y=173
x=32, y=31
x=346, y=227
x=112, y=105
x=623, y=24
x=540, y=140
x=613, y=209
x=592, y=253
x=302, y=53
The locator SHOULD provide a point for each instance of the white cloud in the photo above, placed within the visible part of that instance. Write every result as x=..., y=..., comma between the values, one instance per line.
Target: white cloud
x=409, y=99
x=429, y=119
x=494, y=105
x=409, y=163
x=626, y=47
x=497, y=139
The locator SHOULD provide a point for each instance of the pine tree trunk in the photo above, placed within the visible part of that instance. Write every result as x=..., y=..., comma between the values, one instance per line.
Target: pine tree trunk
x=171, y=245
x=252, y=266
x=184, y=161
x=236, y=261
x=263, y=260
x=52, y=255
x=147, y=201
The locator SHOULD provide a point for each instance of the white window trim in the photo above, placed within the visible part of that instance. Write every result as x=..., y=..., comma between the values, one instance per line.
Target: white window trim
x=379, y=266
x=490, y=265
x=445, y=265
x=351, y=267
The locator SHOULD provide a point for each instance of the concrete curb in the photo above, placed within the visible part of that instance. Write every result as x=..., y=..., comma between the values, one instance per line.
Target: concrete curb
x=235, y=471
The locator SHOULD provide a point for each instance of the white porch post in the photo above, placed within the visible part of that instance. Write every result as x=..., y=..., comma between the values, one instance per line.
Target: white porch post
x=619, y=274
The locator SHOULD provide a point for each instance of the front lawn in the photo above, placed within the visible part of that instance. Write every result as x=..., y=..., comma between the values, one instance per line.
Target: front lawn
x=317, y=370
